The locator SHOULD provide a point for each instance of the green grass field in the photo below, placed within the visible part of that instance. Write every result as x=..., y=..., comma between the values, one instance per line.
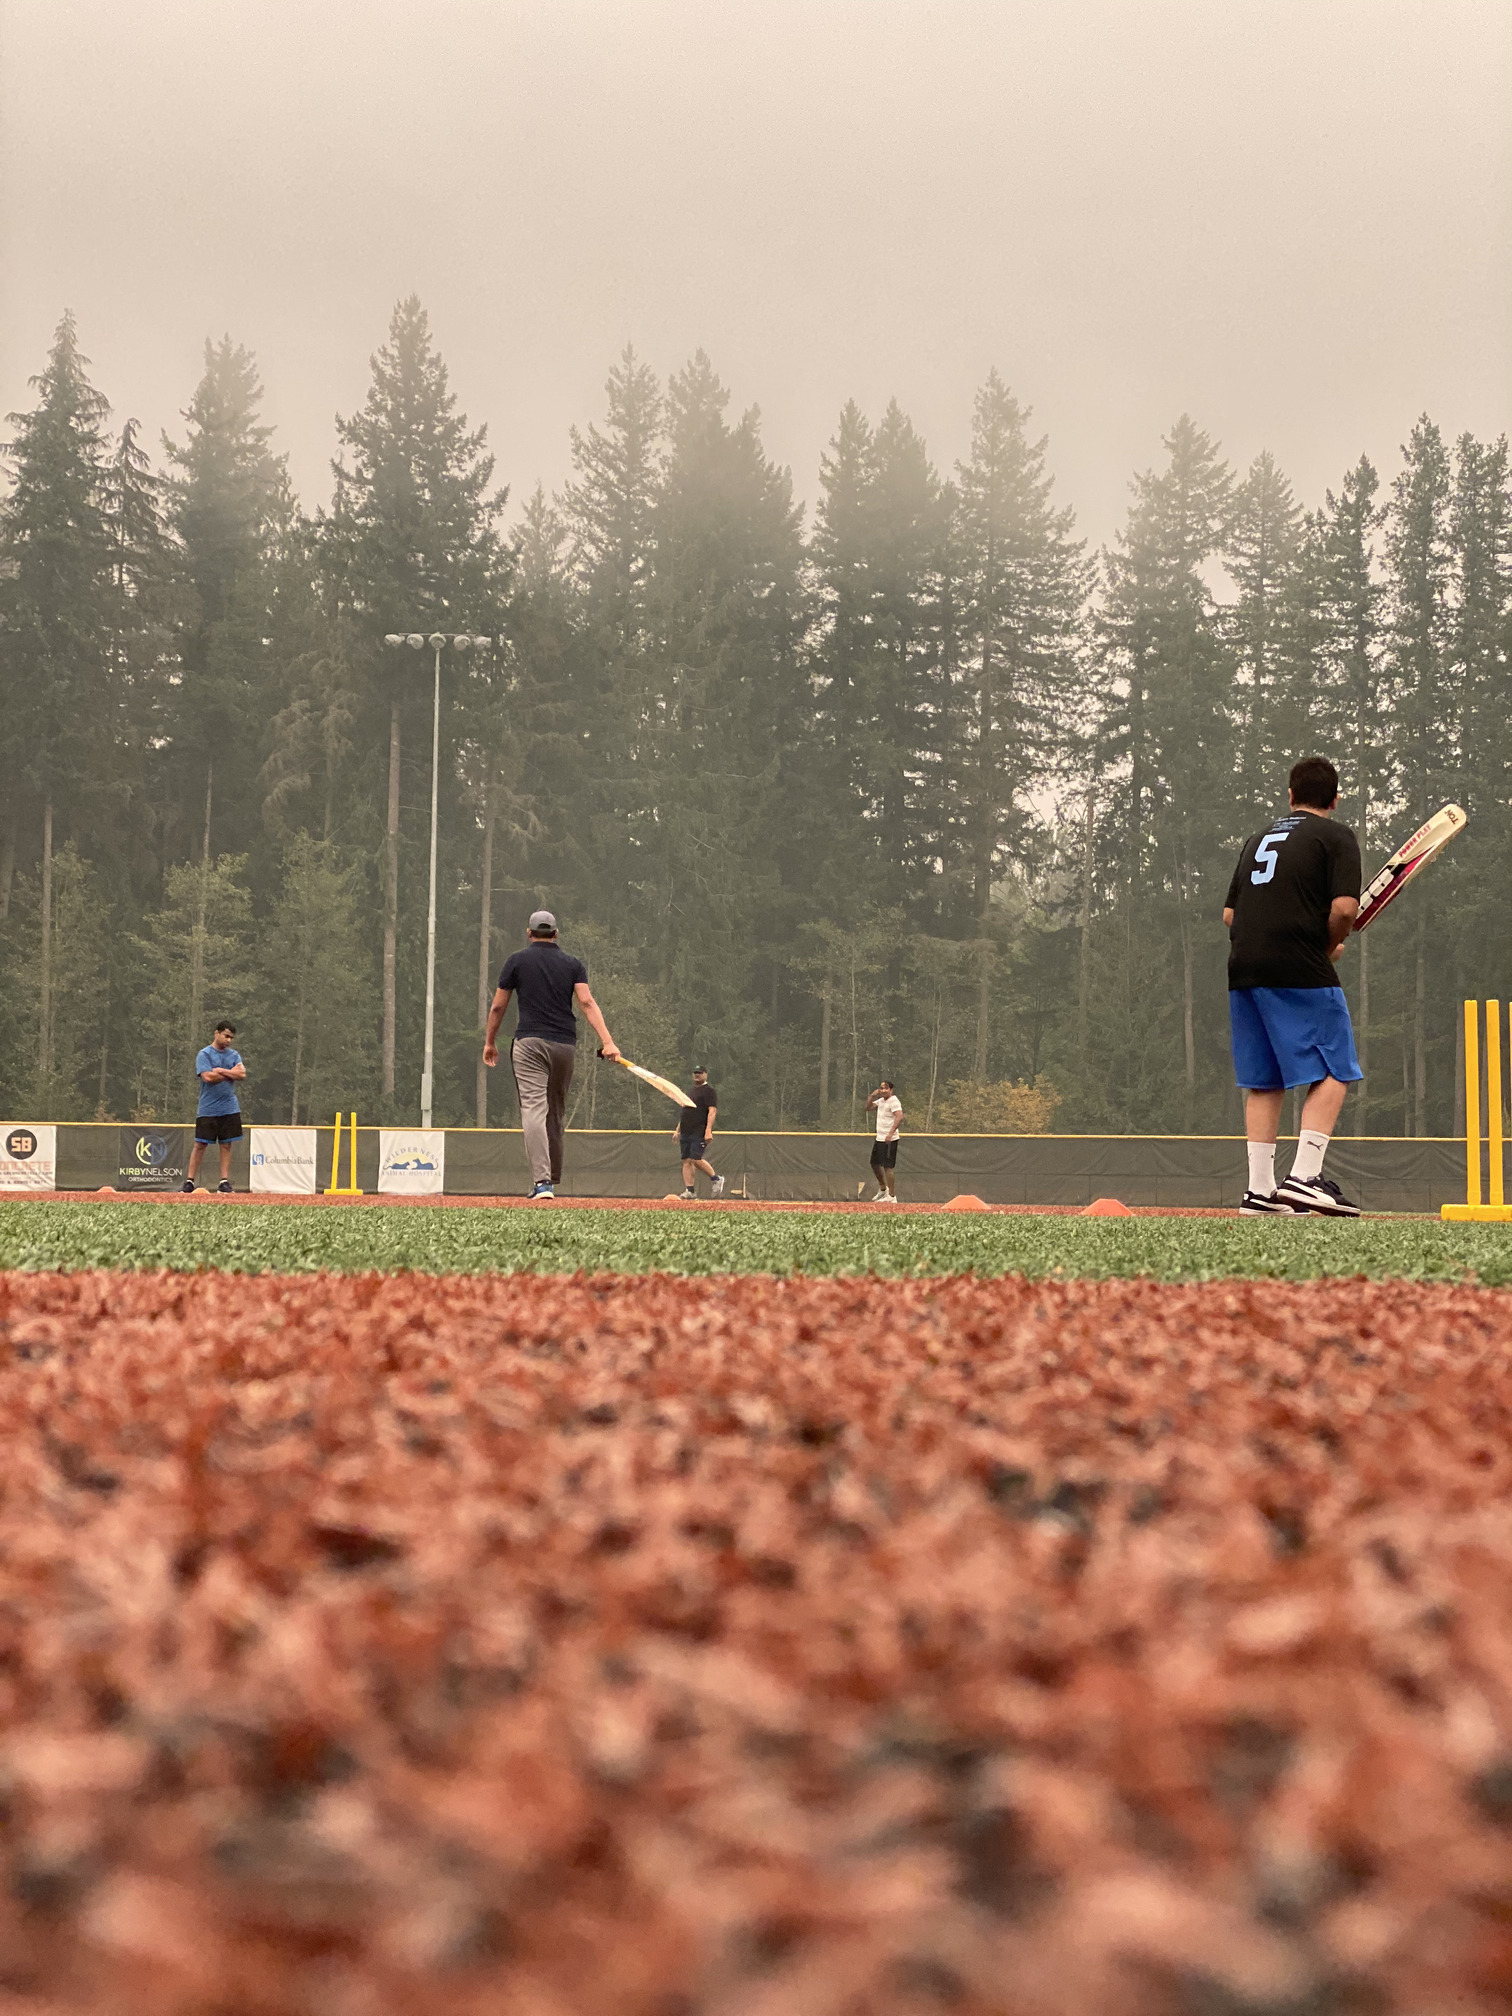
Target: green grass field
x=291, y=1239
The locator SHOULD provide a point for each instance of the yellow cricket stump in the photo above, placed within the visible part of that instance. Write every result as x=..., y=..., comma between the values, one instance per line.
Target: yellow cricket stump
x=1495, y=1210
x=336, y=1188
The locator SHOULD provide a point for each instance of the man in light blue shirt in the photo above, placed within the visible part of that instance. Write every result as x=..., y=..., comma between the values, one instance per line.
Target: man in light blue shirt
x=218, y=1068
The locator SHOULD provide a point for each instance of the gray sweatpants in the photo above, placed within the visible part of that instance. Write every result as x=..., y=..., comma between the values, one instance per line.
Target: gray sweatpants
x=542, y=1074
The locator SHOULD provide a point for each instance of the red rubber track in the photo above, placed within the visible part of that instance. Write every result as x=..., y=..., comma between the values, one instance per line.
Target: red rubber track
x=753, y=1648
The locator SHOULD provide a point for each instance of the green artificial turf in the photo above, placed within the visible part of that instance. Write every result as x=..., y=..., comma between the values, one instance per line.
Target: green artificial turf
x=559, y=1239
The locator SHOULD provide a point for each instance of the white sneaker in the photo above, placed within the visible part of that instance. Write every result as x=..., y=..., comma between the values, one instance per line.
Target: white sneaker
x=688, y=1196
x=1266, y=1204
x=880, y=1198
x=716, y=1188
x=1317, y=1193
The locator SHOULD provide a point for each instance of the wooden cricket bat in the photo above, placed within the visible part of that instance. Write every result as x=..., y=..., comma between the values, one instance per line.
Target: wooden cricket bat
x=657, y=1084
x=1409, y=860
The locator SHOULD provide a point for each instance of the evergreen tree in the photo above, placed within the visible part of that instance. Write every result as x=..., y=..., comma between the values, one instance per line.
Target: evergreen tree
x=719, y=827
x=315, y=1057
x=229, y=502
x=414, y=543
x=1424, y=701
x=194, y=964
x=1262, y=553
x=1169, y=722
x=53, y=606
x=1023, y=584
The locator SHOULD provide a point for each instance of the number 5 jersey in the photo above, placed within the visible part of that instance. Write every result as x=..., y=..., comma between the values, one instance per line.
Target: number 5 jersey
x=1283, y=888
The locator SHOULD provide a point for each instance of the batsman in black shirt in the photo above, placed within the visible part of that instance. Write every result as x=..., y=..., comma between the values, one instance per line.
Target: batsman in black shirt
x=1291, y=904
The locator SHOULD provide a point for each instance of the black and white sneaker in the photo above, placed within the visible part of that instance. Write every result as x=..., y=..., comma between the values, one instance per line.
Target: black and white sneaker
x=188, y=1187
x=1268, y=1204
x=716, y=1188
x=223, y=1189
x=1319, y=1194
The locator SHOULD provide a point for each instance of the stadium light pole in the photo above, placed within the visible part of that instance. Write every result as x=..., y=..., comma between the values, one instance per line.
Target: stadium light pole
x=438, y=642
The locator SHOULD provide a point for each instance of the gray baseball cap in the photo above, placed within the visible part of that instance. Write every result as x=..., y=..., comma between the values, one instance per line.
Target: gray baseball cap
x=542, y=924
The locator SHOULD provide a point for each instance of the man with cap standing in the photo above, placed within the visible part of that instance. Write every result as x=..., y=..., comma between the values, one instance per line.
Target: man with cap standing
x=544, y=1050
x=694, y=1131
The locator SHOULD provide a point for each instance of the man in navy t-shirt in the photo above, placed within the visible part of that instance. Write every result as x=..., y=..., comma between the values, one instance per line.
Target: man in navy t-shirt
x=219, y=1069
x=548, y=981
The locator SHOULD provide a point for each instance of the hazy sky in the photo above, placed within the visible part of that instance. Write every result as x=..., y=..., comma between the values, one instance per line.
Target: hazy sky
x=1289, y=217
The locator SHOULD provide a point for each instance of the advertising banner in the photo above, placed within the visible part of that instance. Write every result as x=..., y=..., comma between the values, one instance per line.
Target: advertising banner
x=153, y=1158
x=28, y=1157
x=411, y=1161
x=283, y=1159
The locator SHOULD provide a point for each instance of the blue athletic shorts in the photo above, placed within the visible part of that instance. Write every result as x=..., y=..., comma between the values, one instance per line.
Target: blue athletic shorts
x=1285, y=1036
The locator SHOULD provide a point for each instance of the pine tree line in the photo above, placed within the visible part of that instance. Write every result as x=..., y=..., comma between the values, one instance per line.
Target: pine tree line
x=926, y=788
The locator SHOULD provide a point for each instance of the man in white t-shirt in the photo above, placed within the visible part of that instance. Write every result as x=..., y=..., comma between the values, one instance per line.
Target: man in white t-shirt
x=884, y=1155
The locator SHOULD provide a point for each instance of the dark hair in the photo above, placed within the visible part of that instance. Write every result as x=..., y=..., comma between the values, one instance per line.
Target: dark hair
x=229, y=1027
x=887, y=1082
x=1314, y=782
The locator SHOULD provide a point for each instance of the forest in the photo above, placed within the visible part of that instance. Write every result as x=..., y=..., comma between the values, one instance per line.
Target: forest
x=913, y=782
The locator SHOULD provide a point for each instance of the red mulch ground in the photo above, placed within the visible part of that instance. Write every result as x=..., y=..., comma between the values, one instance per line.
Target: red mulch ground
x=521, y=1647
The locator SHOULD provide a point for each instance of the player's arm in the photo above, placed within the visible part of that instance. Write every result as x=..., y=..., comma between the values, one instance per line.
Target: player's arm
x=596, y=1020
x=872, y=1098
x=1341, y=915
x=491, y=1034
x=233, y=1071
x=896, y=1125
x=1228, y=918
x=709, y=1114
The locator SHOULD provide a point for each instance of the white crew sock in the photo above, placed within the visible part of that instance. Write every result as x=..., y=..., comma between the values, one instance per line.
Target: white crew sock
x=1311, y=1148
x=1262, y=1161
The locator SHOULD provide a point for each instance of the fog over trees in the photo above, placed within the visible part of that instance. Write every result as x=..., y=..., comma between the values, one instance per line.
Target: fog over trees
x=914, y=781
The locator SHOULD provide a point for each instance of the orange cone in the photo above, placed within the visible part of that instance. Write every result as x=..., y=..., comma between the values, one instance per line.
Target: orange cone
x=1106, y=1207
x=967, y=1203
x=672, y=1198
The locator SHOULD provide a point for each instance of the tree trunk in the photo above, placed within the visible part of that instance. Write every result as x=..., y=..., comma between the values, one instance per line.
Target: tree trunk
x=934, y=1060
x=1084, y=969
x=984, y=1004
x=1362, y=1096
x=1419, y=1034
x=298, y=1065
x=855, y=1036
x=485, y=948
x=44, y=998
x=824, y=1059
x=772, y=1046
x=100, y=1112
x=1459, y=1074
x=8, y=859
x=197, y=954
x=1188, y=1033
x=390, y=902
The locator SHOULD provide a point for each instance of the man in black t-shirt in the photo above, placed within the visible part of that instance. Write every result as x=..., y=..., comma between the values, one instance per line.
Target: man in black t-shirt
x=695, y=1128
x=1291, y=904
x=547, y=981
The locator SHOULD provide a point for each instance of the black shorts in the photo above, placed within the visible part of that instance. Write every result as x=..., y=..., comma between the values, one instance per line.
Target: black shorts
x=691, y=1147
x=884, y=1155
x=218, y=1127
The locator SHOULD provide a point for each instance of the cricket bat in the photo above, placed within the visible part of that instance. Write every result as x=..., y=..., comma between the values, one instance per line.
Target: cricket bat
x=1409, y=860
x=657, y=1084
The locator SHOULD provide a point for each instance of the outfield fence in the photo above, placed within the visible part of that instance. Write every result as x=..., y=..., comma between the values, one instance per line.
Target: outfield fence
x=1384, y=1172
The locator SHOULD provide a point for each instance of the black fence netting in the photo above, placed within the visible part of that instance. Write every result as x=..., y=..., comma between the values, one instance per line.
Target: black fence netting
x=1383, y=1173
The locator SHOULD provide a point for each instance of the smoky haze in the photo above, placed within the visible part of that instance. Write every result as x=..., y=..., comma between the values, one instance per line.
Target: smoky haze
x=1289, y=219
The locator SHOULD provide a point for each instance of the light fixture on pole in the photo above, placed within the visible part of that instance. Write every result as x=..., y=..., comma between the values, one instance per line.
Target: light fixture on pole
x=438, y=642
